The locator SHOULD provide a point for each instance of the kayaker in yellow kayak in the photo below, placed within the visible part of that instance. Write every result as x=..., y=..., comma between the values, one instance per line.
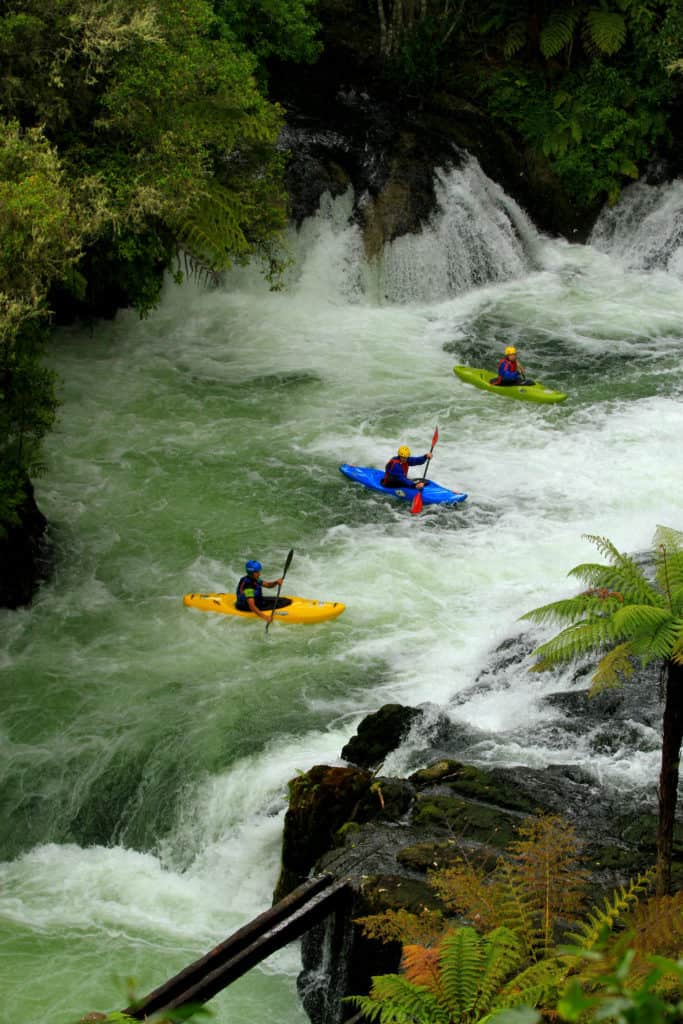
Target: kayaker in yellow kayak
x=250, y=591
x=510, y=370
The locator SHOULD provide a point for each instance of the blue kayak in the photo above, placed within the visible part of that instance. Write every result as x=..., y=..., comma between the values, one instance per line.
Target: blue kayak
x=432, y=493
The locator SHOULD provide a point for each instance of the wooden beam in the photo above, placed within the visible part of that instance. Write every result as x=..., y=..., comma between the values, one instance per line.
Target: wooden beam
x=245, y=948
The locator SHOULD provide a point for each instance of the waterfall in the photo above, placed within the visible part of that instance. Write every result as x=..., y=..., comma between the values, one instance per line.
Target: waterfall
x=644, y=229
x=477, y=235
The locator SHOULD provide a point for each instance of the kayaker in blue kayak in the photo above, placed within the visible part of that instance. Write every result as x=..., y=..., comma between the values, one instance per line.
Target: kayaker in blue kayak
x=510, y=370
x=250, y=591
x=396, y=469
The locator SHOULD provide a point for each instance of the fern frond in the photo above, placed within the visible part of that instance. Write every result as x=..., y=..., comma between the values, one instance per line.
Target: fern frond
x=211, y=231
x=421, y=966
x=466, y=889
x=502, y=955
x=632, y=620
x=605, y=31
x=545, y=865
x=612, y=668
x=574, y=641
x=659, y=644
x=460, y=960
x=395, y=1000
x=519, y=908
x=515, y=38
x=600, y=921
x=626, y=579
x=424, y=929
x=566, y=610
x=558, y=31
x=536, y=984
x=658, y=928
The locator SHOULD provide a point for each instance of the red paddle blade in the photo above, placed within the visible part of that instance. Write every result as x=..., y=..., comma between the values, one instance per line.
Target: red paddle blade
x=417, y=503
x=436, y=436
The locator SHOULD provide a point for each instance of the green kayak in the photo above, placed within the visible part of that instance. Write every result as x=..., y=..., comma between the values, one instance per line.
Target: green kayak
x=535, y=392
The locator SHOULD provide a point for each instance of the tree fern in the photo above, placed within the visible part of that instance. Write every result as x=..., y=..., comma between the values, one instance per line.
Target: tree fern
x=631, y=618
x=558, y=31
x=604, y=31
x=515, y=38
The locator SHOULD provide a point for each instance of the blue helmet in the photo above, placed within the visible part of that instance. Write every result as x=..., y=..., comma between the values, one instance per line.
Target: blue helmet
x=253, y=566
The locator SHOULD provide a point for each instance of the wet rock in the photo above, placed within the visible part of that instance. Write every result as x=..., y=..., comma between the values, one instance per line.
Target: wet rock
x=321, y=801
x=378, y=734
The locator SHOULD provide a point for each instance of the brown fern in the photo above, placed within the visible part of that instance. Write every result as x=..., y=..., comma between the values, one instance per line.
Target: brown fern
x=421, y=966
x=657, y=926
x=424, y=929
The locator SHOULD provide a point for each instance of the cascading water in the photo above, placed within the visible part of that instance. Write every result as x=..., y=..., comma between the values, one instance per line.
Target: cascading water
x=645, y=228
x=146, y=747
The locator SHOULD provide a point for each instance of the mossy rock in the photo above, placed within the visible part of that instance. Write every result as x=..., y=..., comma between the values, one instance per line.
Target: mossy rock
x=465, y=820
x=640, y=831
x=321, y=801
x=436, y=855
x=476, y=783
x=396, y=892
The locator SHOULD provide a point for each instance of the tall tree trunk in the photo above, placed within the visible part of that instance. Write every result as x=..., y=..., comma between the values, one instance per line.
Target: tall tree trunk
x=672, y=735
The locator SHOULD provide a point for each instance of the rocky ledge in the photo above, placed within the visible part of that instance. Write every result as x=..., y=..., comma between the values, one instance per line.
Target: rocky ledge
x=383, y=834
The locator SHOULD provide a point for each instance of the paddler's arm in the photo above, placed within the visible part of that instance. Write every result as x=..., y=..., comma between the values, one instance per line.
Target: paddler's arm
x=253, y=607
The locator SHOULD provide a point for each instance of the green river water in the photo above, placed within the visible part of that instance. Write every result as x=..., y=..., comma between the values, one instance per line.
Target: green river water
x=146, y=747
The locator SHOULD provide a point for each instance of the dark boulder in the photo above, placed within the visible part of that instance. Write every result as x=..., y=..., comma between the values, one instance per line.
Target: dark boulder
x=23, y=553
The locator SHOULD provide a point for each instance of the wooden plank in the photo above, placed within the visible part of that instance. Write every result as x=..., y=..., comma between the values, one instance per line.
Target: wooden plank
x=226, y=962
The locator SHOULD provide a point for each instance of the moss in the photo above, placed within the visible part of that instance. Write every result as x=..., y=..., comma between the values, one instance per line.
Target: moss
x=466, y=820
x=476, y=783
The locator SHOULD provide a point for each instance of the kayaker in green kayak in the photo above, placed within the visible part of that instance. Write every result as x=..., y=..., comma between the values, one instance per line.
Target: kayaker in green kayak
x=510, y=370
x=250, y=591
x=396, y=469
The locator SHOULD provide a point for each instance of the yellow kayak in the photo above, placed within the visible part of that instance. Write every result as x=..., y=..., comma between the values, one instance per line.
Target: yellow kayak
x=291, y=609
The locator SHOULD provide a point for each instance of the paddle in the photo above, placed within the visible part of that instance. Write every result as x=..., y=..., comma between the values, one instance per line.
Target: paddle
x=284, y=573
x=417, y=500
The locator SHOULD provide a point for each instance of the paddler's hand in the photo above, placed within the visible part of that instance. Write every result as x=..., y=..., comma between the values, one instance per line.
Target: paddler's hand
x=419, y=486
x=429, y=455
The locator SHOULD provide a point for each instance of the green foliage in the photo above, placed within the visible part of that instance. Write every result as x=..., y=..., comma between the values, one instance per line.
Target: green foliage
x=641, y=620
x=459, y=983
x=536, y=884
x=39, y=237
x=157, y=140
x=285, y=29
x=622, y=615
x=558, y=31
x=596, y=127
x=470, y=977
x=622, y=1002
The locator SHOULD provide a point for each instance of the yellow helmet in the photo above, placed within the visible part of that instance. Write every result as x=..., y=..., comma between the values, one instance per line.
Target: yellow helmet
x=404, y=451
x=511, y=350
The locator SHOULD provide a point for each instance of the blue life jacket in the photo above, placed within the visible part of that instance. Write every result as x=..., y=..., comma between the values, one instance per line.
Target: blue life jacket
x=394, y=473
x=508, y=371
x=248, y=583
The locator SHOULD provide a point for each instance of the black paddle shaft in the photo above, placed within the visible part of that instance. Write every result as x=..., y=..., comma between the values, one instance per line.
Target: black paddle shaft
x=279, y=586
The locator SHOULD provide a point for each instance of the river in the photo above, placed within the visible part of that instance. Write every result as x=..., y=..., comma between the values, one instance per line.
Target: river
x=146, y=747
